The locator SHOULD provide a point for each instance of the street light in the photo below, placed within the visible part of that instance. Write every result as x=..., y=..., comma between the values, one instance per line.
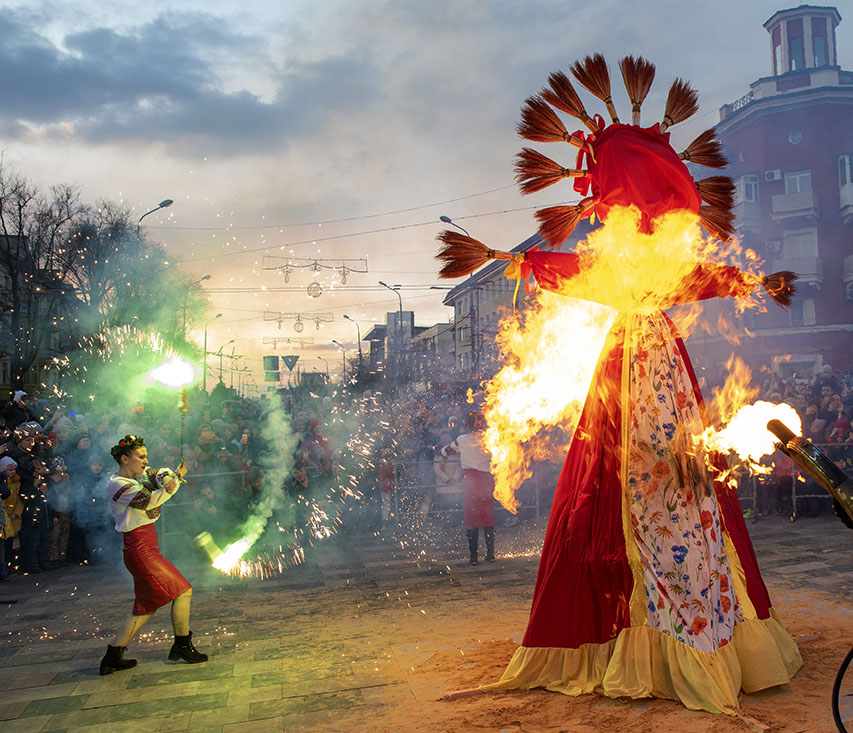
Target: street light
x=232, y=367
x=186, y=293
x=358, y=331
x=396, y=291
x=164, y=204
x=343, y=359
x=219, y=354
x=448, y=220
x=326, y=362
x=204, y=357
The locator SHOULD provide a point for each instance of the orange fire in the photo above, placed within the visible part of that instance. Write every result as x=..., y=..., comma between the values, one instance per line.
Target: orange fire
x=742, y=423
x=550, y=359
x=551, y=355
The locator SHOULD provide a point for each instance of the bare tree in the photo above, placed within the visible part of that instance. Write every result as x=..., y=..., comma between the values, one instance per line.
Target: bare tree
x=35, y=257
x=70, y=271
x=121, y=278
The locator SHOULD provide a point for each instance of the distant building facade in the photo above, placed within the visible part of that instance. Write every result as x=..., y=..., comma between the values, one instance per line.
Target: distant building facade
x=483, y=298
x=790, y=144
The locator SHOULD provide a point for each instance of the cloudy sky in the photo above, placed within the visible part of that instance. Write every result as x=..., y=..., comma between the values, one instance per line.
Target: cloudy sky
x=330, y=128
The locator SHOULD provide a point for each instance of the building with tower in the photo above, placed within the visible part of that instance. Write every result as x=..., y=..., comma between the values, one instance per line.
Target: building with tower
x=789, y=142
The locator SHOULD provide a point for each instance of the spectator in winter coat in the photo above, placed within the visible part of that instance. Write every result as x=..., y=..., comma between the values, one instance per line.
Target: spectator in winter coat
x=16, y=411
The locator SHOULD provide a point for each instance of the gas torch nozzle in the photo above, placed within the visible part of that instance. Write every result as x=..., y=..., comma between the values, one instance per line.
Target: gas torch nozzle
x=817, y=465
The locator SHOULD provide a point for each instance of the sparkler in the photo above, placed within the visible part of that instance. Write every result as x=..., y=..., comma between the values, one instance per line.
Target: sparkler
x=176, y=373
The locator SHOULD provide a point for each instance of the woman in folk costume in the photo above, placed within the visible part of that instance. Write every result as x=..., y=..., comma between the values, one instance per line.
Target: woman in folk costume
x=478, y=486
x=135, y=493
x=648, y=585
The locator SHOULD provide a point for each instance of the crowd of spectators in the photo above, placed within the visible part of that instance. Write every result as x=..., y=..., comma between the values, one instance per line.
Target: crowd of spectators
x=55, y=463
x=824, y=403
x=382, y=450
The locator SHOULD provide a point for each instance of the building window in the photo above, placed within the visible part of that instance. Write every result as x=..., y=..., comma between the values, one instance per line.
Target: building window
x=5, y=371
x=843, y=170
x=746, y=190
x=800, y=244
x=819, y=43
x=802, y=312
x=798, y=181
x=777, y=50
x=796, y=49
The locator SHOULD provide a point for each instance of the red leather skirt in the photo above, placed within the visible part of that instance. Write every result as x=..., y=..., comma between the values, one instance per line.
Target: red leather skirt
x=156, y=581
x=477, y=490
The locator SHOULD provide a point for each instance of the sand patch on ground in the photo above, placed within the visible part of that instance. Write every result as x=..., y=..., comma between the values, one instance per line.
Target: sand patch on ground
x=804, y=705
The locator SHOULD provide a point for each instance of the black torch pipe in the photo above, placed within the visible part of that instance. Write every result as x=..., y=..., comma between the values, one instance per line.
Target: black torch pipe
x=819, y=466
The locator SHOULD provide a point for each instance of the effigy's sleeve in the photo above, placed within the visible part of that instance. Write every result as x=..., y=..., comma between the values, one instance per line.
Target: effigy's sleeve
x=710, y=280
x=552, y=270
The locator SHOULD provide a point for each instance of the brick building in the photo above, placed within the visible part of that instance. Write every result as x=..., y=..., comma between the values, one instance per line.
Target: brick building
x=790, y=142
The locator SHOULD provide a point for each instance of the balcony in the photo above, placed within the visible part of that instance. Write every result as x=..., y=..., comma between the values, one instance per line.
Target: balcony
x=847, y=270
x=846, y=196
x=747, y=217
x=810, y=269
x=795, y=209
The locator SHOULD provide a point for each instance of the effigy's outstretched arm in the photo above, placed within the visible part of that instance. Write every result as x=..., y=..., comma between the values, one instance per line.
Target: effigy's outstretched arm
x=710, y=280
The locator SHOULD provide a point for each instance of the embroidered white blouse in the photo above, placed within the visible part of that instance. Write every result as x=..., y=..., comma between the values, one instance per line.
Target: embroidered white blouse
x=135, y=503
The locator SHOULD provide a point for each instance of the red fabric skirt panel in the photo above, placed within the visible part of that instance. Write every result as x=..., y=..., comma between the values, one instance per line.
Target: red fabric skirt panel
x=732, y=515
x=478, y=488
x=584, y=583
x=156, y=581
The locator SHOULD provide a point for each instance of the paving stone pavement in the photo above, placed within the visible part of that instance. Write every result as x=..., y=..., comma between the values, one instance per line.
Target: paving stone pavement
x=330, y=636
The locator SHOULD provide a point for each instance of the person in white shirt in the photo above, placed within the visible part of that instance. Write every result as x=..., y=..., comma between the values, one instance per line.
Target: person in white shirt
x=134, y=495
x=478, y=485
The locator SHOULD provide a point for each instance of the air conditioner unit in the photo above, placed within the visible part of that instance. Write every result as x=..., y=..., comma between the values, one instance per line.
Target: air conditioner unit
x=773, y=175
x=848, y=290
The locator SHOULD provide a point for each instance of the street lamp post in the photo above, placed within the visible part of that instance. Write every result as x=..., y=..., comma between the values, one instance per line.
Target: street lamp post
x=475, y=303
x=164, y=204
x=343, y=360
x=396, y=291
x=232, y=368
x=219, y=354
x=204, y=357
x=448, y=220
x=186, y=293
x=326, y=362
x=358, y=331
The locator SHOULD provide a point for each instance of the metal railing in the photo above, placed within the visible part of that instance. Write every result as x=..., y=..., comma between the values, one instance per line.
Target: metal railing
x=799, y=479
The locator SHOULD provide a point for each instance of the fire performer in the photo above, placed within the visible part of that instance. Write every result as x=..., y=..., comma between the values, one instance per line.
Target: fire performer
x=648, y=585
x=134, y=494
x=477, y=485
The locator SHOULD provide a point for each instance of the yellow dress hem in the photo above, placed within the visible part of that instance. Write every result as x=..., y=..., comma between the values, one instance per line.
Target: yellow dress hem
x=643, y=662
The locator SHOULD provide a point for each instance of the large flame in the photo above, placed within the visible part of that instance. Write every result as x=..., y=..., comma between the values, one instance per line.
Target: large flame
x=551, y=356
x=747, y=434
x=739, y=425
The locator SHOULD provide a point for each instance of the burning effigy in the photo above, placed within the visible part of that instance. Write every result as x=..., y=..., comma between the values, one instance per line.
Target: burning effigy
x=648, y=585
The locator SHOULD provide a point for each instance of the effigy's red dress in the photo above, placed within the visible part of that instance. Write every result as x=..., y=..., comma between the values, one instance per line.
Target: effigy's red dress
x=648, y=585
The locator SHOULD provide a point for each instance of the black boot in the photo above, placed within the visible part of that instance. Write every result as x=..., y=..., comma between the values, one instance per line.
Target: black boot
x=114, y=660
x=472, y=543
x=183, y=649
x=489, y=534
